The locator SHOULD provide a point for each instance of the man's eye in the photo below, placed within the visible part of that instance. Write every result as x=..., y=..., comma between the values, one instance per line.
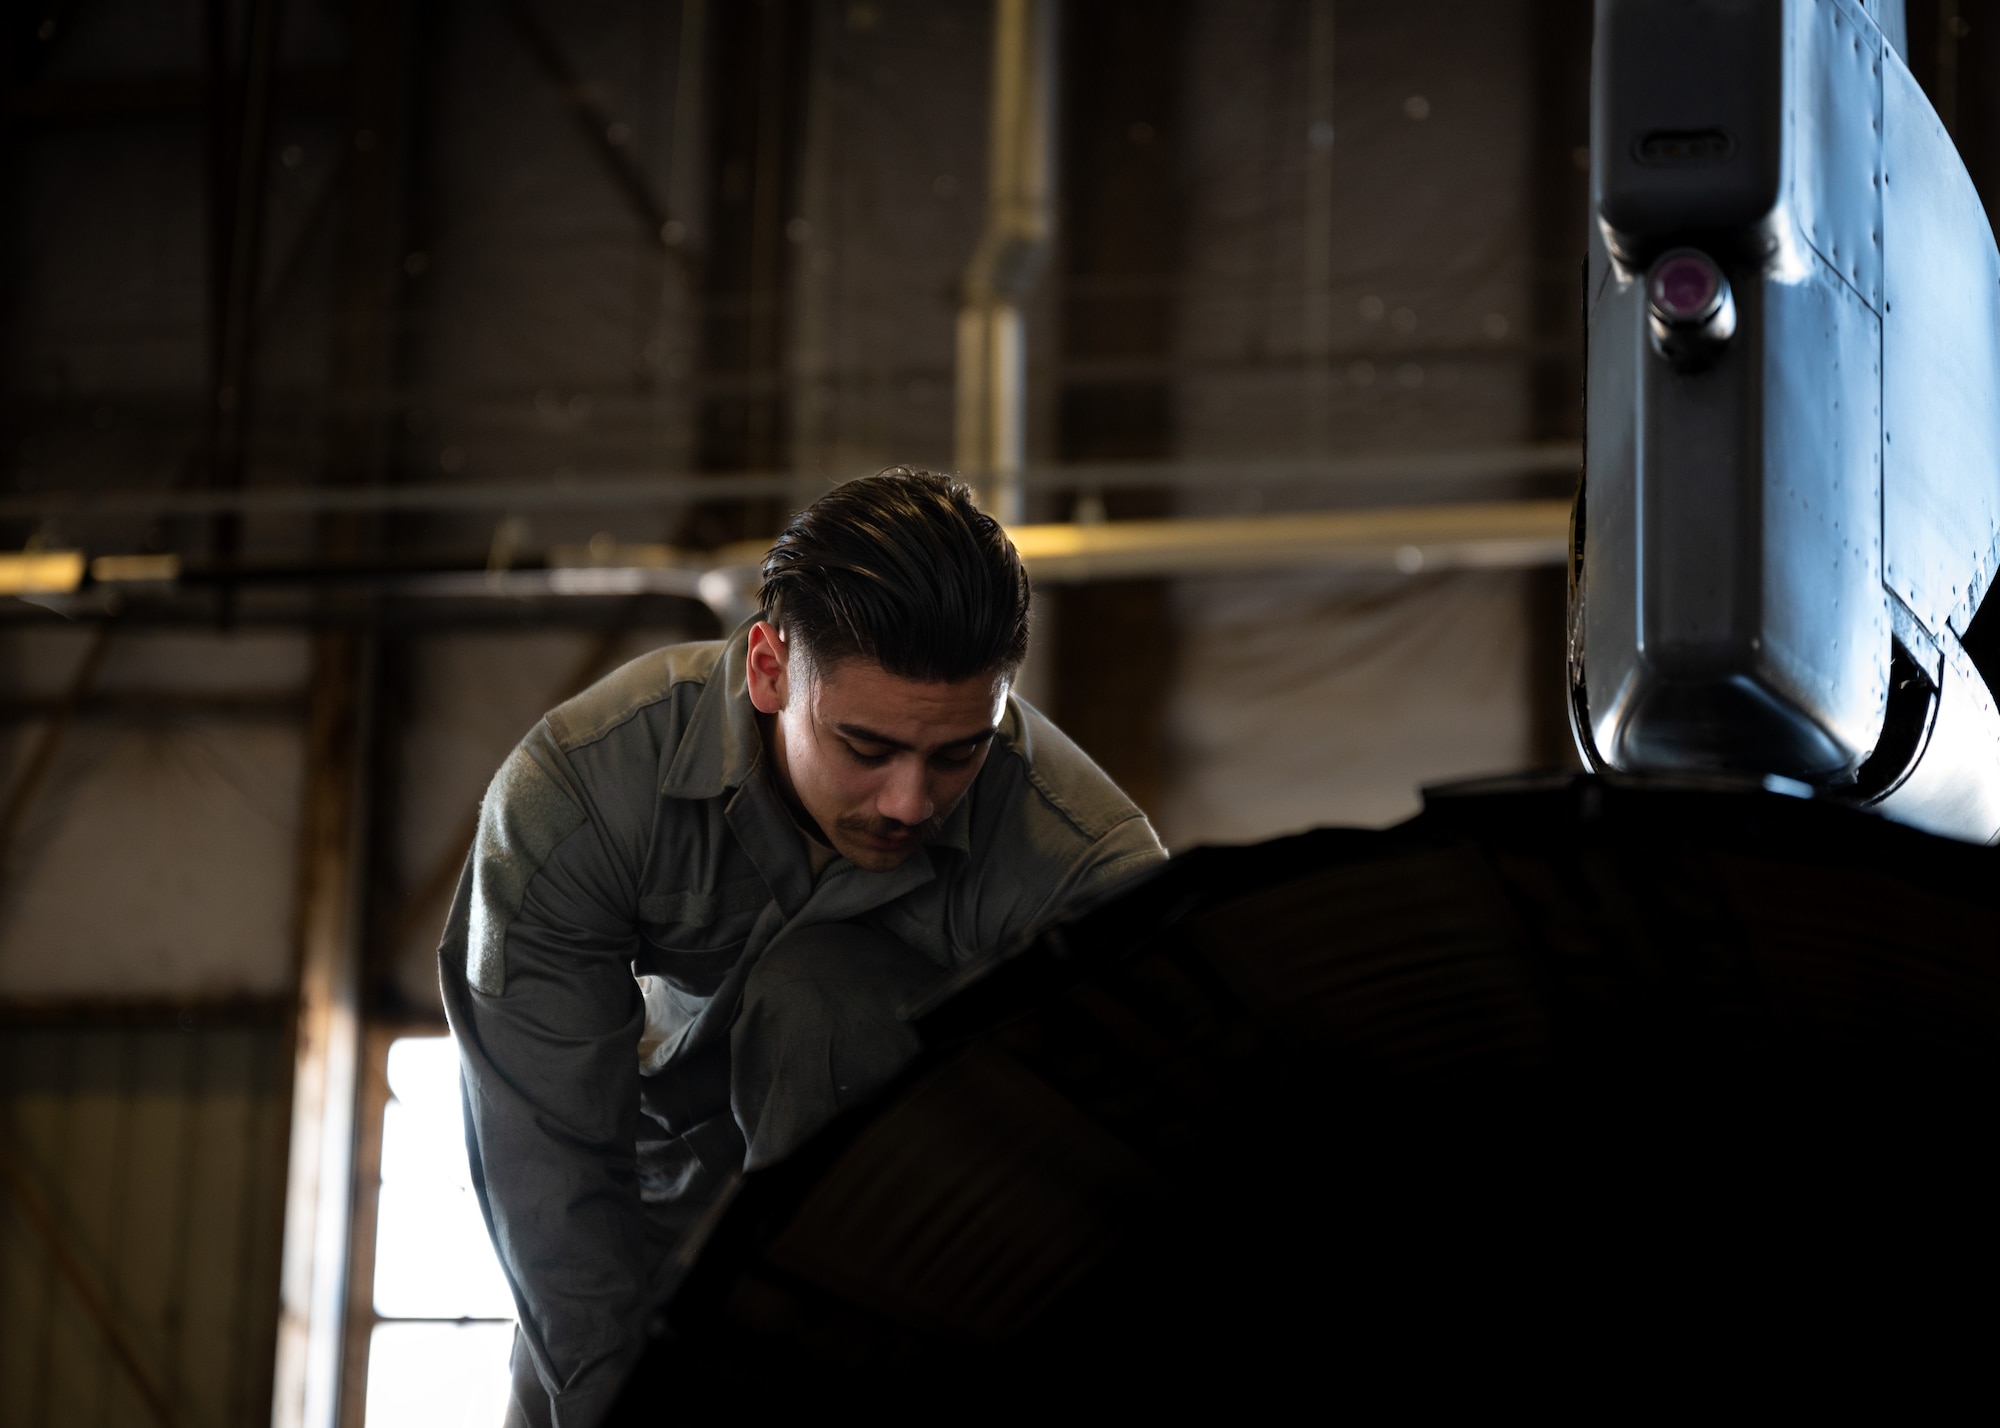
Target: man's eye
x=954, y=761
x=870, y=759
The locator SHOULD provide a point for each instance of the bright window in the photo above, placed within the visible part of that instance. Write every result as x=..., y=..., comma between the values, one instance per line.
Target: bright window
x=438, y=1357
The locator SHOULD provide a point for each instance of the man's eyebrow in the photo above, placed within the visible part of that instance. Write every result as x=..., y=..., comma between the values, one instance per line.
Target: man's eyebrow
x=863, y=735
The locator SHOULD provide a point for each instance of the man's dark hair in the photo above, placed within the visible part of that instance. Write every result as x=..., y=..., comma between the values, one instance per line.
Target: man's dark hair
x=901, y=568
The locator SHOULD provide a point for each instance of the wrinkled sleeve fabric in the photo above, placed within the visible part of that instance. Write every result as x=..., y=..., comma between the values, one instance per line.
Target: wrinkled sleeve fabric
x=1054, y=832
x=1124, y=853
x=536, y=972
x=1108, y=862
x=1046, y=868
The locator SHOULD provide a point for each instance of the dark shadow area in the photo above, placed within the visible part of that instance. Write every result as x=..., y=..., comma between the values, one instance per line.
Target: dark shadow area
x=1561, y=1086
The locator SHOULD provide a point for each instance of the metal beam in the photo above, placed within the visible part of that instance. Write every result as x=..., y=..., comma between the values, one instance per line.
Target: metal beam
x=310, y=1373
x=326, y=1046
x=235, y=312
x=1511, y=535
x=1490, y=534
x=639, y=490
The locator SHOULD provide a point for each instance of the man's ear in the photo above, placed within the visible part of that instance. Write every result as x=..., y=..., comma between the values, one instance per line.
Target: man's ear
x=769, y=668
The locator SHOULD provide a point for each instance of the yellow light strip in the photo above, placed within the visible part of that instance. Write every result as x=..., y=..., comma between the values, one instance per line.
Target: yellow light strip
x=41, y=572
x=1489, y=535
x=112, y=569
x=1501, y=534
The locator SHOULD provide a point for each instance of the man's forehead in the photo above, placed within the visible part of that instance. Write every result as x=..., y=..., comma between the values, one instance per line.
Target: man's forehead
x=861, y=693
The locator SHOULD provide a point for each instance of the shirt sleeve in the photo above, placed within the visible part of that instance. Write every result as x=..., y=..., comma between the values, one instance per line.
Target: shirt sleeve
x=1115, y=859
x=1119, y=856
x=1126, y=851
x=537, y=981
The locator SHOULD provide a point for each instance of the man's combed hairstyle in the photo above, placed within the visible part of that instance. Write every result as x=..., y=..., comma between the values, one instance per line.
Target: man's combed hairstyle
x=903, y=569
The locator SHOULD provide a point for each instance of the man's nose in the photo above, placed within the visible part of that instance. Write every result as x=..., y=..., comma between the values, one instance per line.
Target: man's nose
x=905, y=797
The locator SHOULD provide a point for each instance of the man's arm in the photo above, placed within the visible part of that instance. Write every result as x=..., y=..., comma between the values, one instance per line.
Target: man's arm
x=1119, y=856
x=536, y=972
x=1124, y=853
x=1052, y=831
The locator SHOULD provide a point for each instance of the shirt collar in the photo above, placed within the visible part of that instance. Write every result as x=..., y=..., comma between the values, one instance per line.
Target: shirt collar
x=722, y=744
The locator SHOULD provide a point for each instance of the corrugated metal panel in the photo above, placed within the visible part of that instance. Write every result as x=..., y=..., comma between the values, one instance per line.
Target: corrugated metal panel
x=139, y=1219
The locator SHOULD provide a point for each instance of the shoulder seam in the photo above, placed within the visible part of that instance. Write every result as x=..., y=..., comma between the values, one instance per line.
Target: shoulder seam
x=570, y=744
x=1070, y=816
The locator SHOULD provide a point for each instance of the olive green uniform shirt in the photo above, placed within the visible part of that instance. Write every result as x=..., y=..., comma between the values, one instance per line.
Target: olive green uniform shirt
x=633, y=861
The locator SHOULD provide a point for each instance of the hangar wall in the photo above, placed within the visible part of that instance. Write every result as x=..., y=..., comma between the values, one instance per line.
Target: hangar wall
x=144, y=1162
x=1387, y=307
x=627, y=239
x=552, y=323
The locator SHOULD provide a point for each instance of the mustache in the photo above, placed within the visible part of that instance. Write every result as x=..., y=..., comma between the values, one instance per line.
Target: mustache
x=890, y=828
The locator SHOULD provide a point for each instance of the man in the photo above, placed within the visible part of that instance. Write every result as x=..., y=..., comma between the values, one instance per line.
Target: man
x=702, y=888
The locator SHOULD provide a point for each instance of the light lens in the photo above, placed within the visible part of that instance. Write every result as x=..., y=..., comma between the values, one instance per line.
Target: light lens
x=1686, y=287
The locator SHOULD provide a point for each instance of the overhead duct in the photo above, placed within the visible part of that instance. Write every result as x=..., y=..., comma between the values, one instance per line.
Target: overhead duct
x=990, y=425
